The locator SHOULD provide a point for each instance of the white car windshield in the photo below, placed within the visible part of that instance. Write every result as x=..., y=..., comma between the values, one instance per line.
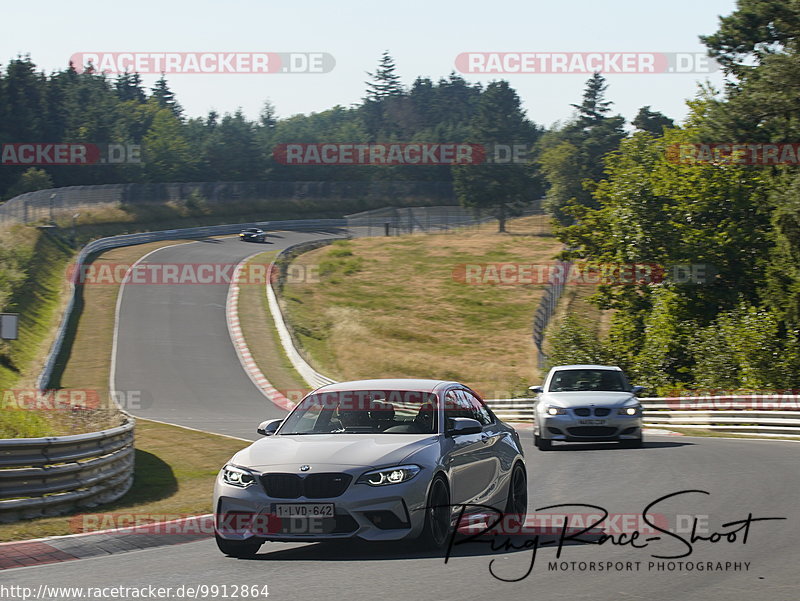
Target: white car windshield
x=364, y=412
x=576, y=380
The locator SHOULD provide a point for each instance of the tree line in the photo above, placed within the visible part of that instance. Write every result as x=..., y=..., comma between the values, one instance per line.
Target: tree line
x=615, y=191
x=740, y=329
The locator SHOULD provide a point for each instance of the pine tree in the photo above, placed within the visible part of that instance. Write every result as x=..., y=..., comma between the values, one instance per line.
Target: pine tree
x=385, y=82
x=594, y=106
x=165, y=98
x=129, y=87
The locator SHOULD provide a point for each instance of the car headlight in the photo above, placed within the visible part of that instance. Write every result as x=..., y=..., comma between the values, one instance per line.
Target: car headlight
x=236, y=476
x=389, y=475
x=629, y=410
x=553, y=410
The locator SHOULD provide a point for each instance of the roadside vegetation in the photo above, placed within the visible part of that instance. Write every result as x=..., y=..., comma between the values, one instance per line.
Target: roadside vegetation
x=34, y=276
x=32, y=283
x=174, y=477
x=398, y=307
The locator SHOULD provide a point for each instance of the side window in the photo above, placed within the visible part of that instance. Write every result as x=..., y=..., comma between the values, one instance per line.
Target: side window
x=456, y=406
x=478, y=409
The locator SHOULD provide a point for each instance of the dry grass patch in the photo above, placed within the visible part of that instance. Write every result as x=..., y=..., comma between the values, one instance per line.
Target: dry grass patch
x=175, y=472
x=393, y=307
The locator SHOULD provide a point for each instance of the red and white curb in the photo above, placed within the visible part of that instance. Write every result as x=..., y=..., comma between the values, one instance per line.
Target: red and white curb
x=242, y=350
x=98, y=543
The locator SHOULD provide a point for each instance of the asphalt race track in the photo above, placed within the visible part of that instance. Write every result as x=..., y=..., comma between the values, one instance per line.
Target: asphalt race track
x=174, y=350
x=174, y=344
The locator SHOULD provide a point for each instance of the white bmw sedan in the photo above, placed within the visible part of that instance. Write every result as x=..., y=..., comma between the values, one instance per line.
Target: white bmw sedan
x=379, y=460
x=587, y=403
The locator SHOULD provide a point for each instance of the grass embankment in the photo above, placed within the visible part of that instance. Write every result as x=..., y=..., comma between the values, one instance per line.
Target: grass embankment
x=32, y=283
x=175, y=471
x=392, y=307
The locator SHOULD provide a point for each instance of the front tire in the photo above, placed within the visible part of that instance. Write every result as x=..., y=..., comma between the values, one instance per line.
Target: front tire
x=438, y=527
x=631, y=443
x=517, y=502
x=543, y=444
x=238, y=548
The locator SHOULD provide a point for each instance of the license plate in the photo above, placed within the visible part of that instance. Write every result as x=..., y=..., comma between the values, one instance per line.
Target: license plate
x=593, y=422
x=304, y=510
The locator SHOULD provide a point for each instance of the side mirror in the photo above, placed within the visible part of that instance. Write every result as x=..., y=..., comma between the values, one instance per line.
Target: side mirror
x=464, y=425
x=268, y=427
x=637, y=389
x=536, y=389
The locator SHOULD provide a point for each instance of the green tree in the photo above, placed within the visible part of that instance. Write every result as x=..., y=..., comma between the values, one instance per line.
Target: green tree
x=651, y=121
x=164, y=97
x=501, y=190
x=571, y=158
x=31, y=180
x=385, y=82
x=167, y=154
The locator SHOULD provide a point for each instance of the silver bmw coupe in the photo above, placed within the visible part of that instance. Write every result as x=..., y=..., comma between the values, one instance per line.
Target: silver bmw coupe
x=380, y=460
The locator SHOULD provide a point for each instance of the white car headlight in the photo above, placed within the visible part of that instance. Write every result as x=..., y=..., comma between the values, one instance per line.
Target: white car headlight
x=629, y=410
x=554, y=410
x=389, y=475
x=236, y=476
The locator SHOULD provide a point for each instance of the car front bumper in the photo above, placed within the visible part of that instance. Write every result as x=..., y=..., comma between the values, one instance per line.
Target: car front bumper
x=372, y=513
x=570, y=428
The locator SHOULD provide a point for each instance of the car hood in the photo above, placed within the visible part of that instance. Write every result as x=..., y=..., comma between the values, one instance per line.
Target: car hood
x=340, y=450
x=586, y=398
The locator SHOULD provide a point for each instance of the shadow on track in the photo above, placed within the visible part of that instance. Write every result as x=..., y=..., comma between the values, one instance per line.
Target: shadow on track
x=609, y=446
x=358, y=550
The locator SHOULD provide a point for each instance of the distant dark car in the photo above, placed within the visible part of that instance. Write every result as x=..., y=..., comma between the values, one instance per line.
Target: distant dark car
x=253, y=234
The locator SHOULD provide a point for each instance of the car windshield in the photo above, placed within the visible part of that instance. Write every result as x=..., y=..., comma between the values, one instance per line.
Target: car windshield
x=574, y=380
x=364, y=412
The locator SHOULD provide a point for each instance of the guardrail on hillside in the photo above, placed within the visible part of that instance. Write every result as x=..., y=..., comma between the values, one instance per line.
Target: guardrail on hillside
x=544, y=312
x=54, y=475
x=312, y=377
x=177, y=234
x=46, y=205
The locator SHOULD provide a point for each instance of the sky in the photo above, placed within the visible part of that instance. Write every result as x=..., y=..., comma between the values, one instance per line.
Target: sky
x=423, y=36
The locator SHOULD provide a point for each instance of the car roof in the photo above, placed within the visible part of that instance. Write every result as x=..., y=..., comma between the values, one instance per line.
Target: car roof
x=608, y=367
x=421, y=385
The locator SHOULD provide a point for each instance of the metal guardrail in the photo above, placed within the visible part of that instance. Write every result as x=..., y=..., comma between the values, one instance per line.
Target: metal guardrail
x=749, y=420
x=176, y=234
x=54, y=475
x=660, y=412
x=312, y=377
x=544, y=312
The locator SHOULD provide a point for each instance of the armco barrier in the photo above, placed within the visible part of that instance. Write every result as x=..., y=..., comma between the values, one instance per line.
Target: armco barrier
x=50, y=476
x=312, y=377
x=178, y=234
x=750, y=421
x=661, y=412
